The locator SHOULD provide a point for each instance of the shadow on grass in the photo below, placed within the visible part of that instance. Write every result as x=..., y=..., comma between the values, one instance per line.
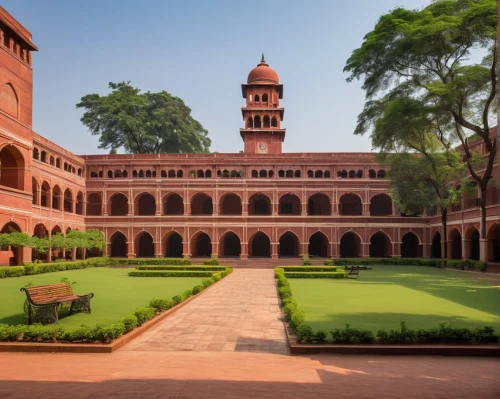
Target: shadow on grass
x=480, y=294
x=386, y=321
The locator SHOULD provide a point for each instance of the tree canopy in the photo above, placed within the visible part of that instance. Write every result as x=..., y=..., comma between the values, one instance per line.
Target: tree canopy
x=142, y=123
x=420, y=79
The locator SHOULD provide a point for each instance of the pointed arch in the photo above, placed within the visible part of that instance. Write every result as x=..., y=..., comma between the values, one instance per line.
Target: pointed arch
x=380, y=245
x=201, y=204
x=145, y=204
x=259, y=245
x=201, y=244
x=410, y=246
x=493, y=238
x=45, y=195
x=56, y=197
x=173, y=204
x=436, y=245
x=229, y=244
x=118, y=245
x=472, y=238
x=455, y=244
x=230, y=204
x=35, y=189
x=144, y=245
x=289, y=244
x=9, y=101
x=350, y=204
x=289, y=204
x=350, y=245
x=259, y=204
x=118, y=205
x=94, y=205
x=381, y=205
x=319, y=204
x=12, y=167
x=173, y=245
x=68, y=200
x=319, y=245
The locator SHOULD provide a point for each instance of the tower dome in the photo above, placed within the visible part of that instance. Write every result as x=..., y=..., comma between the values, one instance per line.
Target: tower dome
x=262, y=73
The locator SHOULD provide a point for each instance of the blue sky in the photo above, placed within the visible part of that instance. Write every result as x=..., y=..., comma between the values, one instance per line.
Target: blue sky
x=201, y=51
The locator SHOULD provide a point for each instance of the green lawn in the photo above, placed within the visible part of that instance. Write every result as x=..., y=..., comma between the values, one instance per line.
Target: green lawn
x=387, y=295
x=115, y=293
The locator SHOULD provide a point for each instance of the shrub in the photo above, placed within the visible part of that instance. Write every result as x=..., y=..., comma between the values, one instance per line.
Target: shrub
x=312, y=269
x=197, y=289
x=329, y=262
x=12, y=271
x=169, y=273
x=108, y=333
x=320, y=336
x=144, y=314
x=180, y=268
x=207, y=282
x=289, y=309
x=485, y=335
x=187, y=294
x=82, y=333
x=161, y=304
x=38, y=332
x=304, y=333
x=150, y=261
x=306, y=261
x=316, y=275
x=351, y=336
x=297, y=318
x=211, y=262
x=130, y=322
x=177, y=299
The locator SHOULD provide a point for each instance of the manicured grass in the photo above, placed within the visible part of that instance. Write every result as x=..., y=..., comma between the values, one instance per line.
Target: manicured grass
x=381, y=298
x=115, y=293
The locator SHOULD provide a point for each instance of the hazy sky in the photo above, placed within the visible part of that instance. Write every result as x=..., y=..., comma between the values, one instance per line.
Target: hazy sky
x=201, y=51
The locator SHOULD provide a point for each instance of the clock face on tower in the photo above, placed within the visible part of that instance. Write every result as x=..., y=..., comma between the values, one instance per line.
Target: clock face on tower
x=262, y=147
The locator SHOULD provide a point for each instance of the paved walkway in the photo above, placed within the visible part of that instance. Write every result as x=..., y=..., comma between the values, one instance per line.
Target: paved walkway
x=242, y=375
x=241, y=313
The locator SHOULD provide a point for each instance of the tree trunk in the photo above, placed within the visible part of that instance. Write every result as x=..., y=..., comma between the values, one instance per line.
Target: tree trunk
x=482, y=203
x=444, y=252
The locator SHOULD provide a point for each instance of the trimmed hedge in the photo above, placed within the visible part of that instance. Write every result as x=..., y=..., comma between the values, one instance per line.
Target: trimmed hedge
x=304, y=333
x=170, y=273
x=311, y=269
x=150, y=261
x=315, y=274
x=100, y=334
x=174, y=268
x=452, y=263
x=31, y=268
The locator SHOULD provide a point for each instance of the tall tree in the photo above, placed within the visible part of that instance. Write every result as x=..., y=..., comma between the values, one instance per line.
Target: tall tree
x=142, y=123
x=420, y=61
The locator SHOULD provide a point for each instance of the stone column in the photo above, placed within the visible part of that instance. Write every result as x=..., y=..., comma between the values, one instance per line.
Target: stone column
x=304, y=209
x=483, y=249
x=157, y=253
x=130, y=247
x=73, y=254
x=244, y=208
x=366, y=209
x=274, y=250
x=304, y=248
x=396, y=249
x=244, y=250
x=465, y=249
x=185, y=248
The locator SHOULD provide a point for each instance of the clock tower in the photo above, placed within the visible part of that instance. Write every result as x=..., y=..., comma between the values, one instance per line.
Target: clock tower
x=262, y=114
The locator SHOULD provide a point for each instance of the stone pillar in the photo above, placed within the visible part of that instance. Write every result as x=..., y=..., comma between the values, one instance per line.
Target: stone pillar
x=304, y=248
x=215, y=248
x=483, y=249
x=465, y=249
x=157, y=253
x=274, y=250
x=366, y=209
x=426, y=250
x=365, y=250
x=244, y=250
x=26, y=254
x=73, y=254
x=304, y=209
x=396, y=249
x=275, y=208
x=185, y=248
x=244, y=208
x=187, y=208
x=130, y=247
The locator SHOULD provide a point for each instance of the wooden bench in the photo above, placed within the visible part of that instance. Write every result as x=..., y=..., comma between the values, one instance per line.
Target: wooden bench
x=353, y=272
x=42, y=303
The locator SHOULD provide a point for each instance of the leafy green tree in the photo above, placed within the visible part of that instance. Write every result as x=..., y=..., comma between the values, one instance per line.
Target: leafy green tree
x=90, y=239
x=57, y=241
x=40, y=245
x=142, y=123
x=426, y=181
x=417, y=68
x=15, y=239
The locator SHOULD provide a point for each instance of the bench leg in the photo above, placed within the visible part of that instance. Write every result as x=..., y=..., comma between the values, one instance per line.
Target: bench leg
x=46, y=314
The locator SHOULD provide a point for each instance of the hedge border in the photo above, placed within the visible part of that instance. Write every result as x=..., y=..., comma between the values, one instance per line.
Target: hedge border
x=192, y=268
x=450, y=263
x=404, y=336
x=31, y=268
x=100, y=334
x=150, y=261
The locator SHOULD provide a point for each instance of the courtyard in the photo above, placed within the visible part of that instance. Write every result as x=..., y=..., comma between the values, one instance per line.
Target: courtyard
x=381, y=298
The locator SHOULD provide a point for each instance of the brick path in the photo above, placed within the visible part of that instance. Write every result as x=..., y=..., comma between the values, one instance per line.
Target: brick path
x=241, y=313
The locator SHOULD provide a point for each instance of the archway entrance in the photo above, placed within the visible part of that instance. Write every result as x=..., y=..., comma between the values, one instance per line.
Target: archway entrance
x=11, y=168
x=455, y=251
x=474, y=245
x=318, y=245
x=230, y=245
x=436, y=246
x=146, y=205
x=10, y=256
x=202, y=204
x=289, y=204
x=350, y=245
x=410, y=246
x=260, y=246
x=118, y=205
x=494, y=243
x=118, y=243
x=173, y=245
x=289, y=245
x=173, y=205
x=259, y=204
x=230, y=205
x=201, y=245
x=350, y=204
x=145, y=247
x=380, y=246
x=319, y=204
x=381, y=205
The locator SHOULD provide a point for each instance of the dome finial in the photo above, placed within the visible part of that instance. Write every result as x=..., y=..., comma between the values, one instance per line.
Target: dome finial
x=262, y=60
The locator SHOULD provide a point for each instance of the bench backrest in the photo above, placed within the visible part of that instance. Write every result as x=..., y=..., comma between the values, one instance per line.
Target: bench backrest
x=48, y=293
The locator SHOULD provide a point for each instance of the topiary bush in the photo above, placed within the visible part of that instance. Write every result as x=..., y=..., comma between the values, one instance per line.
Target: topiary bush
x=144, y=314
x=306, y=261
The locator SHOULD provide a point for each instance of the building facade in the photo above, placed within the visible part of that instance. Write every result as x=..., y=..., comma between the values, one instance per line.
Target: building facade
x=260, y=203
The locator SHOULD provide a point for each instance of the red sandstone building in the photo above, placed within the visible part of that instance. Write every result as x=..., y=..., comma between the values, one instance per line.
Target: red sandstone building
x=259, y=203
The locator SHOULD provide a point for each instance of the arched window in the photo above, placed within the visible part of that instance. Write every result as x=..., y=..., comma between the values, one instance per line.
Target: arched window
x=289, y=204
x=43, y=156
x=381, y=205
x=68, y=201
x=350, y=204
x=56, y=197
x=281, y=173
x=296, y=173
x=359, y=174
x=45, y=195
x=263, y=173
x=35, y=190
x=118, y=205
x=134, y=173
x=200, y=173
x=372, y=174
x=259, y=204
x=256, y=122
x=51, y=160
x=11, y=167
x=257, y=98
x=326, y=175
x=352, y=174
x=319, y=204
x=100, y=174
x=270, y=173
x=110, y=174
x=310, y=173
x=318, y=173
x=148, y=173
x=79, y=203
x=266, y=121
x=58, y=163
x=145, y=205
x=118, y=173
x=36, y=153
x=9, y=102
x=201, y=204
x=180, y=173
x=255, y=173
x=171, y=173
x=264, y=98
x=94, y=205
x=274, y=122
x=381, y=174
x=342, y=174
x=208, y=174
x=250, y=123
x=118, y=244
x=173, y=204
x=225, y=173
x=163, y=174
x=230, y=204
x=289, y=173
x=141, y=173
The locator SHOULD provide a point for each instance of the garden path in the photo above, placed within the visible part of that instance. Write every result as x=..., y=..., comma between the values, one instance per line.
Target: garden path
x=239, y=314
